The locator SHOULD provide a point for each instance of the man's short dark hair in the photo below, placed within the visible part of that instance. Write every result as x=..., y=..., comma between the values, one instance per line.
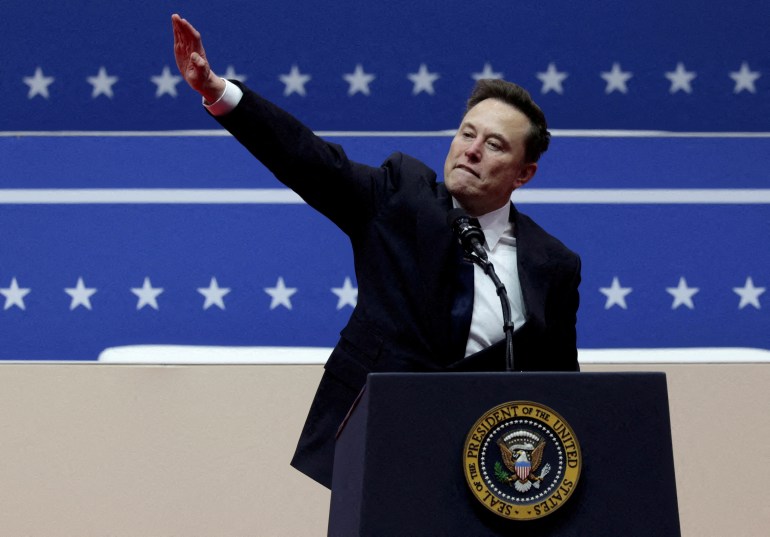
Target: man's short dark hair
x=538, y=137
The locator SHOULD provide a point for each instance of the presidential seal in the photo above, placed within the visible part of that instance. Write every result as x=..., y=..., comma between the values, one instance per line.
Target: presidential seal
x=522, y=460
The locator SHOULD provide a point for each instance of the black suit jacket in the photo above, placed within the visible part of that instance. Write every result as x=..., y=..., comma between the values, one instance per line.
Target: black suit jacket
x=406, y=262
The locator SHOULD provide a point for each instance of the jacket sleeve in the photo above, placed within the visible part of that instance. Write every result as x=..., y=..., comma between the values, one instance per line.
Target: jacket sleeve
x=345, y=191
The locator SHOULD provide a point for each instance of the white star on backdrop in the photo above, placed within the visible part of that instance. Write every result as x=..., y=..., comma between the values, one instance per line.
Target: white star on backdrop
x=552, y=79
x=682, y=294
x=281, y=295
x=744, y=79
x=102, y=83
x=230, y=74
x=423, y=80
x=680, y=79
x=487, y=73
x=214, y=294
x=81, y=295
x=294, y=81
x=616, y=79
x=14, y=295
x=348, y=295
x=147, y=295
x=38, y=84
x=749, y=294
x=359, y=81
x=166, y=83
x=616, y=295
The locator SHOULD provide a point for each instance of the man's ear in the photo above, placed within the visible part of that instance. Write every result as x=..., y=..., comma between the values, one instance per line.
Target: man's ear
x=527, y=173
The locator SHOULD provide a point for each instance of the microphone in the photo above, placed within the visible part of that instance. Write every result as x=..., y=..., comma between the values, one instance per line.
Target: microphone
x=471, y=237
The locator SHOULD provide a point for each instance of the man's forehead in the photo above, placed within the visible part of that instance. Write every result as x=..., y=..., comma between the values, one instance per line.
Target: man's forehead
x=498, y=116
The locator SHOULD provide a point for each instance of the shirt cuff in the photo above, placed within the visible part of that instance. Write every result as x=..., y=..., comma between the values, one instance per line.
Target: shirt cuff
x=227, y=101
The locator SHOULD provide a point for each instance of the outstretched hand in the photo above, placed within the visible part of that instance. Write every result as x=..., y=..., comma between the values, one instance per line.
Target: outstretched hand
x=192, y=62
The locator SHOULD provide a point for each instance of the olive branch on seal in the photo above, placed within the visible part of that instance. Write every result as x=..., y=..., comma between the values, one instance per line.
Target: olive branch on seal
x=501, y=475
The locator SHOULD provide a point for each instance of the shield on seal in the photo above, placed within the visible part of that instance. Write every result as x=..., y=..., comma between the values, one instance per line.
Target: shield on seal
x=523, y=467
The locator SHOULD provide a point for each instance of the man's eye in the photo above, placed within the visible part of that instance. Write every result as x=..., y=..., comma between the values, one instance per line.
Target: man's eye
x=494, y=145
x=467, y=135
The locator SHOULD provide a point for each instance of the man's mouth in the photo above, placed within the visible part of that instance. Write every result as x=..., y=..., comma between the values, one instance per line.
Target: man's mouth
x=467, y=169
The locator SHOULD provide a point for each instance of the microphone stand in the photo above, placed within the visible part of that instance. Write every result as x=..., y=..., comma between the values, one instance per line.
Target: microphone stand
x=489, y=270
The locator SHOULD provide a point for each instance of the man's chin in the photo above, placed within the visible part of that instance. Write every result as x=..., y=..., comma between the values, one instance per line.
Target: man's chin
x=458, y=186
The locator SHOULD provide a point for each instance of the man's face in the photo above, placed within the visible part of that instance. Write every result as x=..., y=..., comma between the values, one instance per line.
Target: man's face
x=486, y=160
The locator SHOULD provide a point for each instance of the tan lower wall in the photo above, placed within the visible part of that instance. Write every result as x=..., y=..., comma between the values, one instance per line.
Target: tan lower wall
x=203, y=450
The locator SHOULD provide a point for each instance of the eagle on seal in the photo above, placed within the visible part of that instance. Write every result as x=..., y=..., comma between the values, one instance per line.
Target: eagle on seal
x=522, y=453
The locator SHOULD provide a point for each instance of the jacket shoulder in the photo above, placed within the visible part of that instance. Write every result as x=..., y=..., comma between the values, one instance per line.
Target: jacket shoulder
x=408, y=167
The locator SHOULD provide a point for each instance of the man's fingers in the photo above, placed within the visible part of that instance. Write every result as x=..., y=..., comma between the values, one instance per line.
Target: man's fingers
x=189, y=54
x=178, y=26
x=186, y=29
x=188, y=36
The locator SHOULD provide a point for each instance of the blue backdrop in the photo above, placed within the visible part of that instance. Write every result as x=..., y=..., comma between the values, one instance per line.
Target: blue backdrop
x=674, y=230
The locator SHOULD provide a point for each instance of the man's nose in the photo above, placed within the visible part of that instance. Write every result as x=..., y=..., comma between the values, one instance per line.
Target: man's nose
x=473, y=151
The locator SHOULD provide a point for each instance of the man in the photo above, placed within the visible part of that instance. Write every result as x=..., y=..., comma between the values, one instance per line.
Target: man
x=409, y=266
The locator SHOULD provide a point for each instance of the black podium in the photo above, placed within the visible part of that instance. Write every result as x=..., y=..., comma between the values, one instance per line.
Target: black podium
x=399, y=459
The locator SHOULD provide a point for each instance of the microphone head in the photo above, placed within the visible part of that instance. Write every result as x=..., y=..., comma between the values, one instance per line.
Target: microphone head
x=467, y=232
x=456, y=218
